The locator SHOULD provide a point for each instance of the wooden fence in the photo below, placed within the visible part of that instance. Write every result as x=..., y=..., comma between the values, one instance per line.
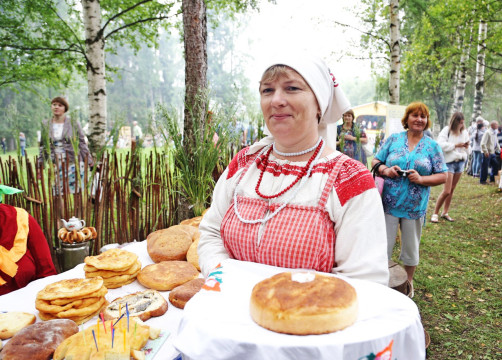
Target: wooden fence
x=130, y=196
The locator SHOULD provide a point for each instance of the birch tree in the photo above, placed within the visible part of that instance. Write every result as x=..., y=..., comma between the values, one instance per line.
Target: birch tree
x=461, y=73
x=395, y=52
x=479, y=83
x=48, y=35
x=96, y=82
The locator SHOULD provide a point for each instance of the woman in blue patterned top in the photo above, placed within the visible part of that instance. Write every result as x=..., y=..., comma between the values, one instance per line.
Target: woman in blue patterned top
x=411, y=164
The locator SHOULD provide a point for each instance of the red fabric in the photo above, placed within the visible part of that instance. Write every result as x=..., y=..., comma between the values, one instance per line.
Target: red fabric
x=36, y=263
x=354, y=179
x=239, y=161
x=297, y=237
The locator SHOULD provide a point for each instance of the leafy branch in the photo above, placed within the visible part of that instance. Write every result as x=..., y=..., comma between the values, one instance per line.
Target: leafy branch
x=139, y=22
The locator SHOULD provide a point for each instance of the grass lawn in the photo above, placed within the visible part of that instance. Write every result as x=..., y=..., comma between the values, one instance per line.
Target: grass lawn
x=30, y=152
x=458, y=283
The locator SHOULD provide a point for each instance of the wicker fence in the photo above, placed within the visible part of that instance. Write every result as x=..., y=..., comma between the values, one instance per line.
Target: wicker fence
x=130, y=196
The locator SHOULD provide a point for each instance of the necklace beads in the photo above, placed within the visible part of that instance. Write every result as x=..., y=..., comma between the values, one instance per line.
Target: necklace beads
x=301, y=175
x=299, y=152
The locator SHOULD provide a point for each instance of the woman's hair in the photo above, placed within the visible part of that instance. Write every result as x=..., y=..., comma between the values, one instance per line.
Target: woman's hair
x=455, y=120
x=273, y=72
x=351, y=113
x=62, y=101
x=415, y=107
x=479, y=127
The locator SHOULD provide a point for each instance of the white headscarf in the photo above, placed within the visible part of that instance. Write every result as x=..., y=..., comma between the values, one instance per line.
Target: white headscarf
x=329, y=95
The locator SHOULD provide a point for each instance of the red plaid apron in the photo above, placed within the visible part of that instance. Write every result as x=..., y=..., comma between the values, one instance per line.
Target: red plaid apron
x=298, y=237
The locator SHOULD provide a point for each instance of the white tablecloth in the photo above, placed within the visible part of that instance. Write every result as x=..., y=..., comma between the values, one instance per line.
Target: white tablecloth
x=217, y=324
x=24, y=299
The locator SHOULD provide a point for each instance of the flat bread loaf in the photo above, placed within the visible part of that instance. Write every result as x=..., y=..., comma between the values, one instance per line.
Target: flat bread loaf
x=70, y=288
x=180, y=295
x=166, y=275
x=91, y=271
x=38, y=341
x=13, y=321
x=64, y=301
x=113, y=259
x=303, y=303
x=71, y=299
x=143, y=304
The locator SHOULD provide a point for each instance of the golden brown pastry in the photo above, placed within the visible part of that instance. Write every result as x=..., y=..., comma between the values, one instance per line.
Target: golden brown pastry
x=113, y=259
x=171, y=243
x=166, y=275
x=70, y=288
x=180, y=295
x=303, y=303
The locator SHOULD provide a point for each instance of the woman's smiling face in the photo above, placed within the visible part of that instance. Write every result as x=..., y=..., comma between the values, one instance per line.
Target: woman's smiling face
x=289, y=108
x=417, y=121
x=58, y=109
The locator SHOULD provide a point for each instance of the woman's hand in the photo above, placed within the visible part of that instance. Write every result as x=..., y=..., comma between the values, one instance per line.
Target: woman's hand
x=390, y=172
x=464, y=145
x=349, y=137
x=414, y=177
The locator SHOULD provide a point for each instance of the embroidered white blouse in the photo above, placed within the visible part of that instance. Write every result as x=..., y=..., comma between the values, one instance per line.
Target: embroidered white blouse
x=354, y=206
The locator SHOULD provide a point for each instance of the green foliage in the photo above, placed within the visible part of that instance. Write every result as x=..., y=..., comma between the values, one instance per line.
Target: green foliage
x=194, y=163
x=434, y=34
x=39, y=40
x=44, y=40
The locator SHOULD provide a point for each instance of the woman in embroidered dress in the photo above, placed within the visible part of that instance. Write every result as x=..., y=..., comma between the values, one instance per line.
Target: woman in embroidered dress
x=352, y=145
x=412, y=163
x=454, y=141
x=60, y=129
x=290, y=200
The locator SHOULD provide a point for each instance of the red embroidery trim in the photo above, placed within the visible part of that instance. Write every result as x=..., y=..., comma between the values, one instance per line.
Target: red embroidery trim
x=299, y=176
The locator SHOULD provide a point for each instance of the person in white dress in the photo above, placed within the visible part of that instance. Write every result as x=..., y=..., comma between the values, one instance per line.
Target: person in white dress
x=455, y=143
x=291, y=200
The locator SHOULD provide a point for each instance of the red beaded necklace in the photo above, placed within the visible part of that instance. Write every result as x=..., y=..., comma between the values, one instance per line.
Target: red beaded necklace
x=302, y=174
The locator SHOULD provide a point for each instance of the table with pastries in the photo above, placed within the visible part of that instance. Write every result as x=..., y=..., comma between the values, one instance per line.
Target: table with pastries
x=218, y=325
x=24, y=300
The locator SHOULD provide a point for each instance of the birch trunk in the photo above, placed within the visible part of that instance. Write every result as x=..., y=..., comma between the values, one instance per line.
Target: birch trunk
x=395, y=52
x=96, y=82
x=480, y=71
x=461, y=75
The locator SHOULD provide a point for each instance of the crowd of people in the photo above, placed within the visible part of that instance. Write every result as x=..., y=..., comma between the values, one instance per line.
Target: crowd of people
x=485, y=161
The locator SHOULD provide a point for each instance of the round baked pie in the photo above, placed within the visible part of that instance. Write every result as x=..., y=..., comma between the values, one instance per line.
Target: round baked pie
x=303, y=303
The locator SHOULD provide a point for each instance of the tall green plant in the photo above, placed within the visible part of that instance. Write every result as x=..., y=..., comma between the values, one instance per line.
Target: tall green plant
x=193, y=174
